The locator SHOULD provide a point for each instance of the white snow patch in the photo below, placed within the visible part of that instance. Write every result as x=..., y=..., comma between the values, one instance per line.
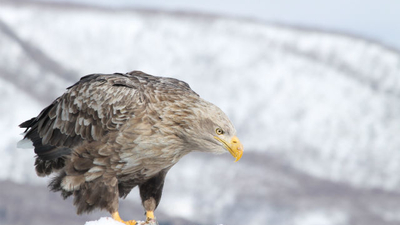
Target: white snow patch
x=104, y=221
x=111, y=221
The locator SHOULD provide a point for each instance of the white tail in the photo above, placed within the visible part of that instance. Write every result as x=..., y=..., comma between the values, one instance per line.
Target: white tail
x=25, y=143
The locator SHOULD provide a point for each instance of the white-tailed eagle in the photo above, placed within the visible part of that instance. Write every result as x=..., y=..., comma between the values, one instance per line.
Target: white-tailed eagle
x=109, y=133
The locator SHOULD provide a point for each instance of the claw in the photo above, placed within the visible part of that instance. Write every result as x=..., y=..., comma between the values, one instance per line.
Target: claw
x=115, y=216
x=150, y=215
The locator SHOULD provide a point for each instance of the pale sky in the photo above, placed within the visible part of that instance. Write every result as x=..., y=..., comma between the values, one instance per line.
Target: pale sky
x=372, y=19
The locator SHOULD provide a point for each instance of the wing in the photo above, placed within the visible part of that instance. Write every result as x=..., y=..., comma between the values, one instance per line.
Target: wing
x=88, y=110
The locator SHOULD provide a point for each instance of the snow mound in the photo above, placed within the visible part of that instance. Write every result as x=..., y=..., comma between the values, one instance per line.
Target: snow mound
x=104, y=221
x=111, y=221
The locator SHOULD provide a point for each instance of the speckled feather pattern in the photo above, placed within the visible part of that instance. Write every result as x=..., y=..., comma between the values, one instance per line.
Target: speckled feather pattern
x=111, y=132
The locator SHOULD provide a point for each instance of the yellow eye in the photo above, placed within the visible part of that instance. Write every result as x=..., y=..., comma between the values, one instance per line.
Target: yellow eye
x=219, y=131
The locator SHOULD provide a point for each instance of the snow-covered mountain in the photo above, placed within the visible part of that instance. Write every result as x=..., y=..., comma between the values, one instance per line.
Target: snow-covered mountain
x=318, y=113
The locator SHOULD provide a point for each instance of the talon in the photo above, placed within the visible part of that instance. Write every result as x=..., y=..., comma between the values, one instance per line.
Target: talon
x=115, y=216
x=150, y=215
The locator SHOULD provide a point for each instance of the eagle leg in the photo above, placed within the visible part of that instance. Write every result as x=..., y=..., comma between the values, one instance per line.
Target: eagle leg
x=115, y=216
x=150, y=215
x=150, y=193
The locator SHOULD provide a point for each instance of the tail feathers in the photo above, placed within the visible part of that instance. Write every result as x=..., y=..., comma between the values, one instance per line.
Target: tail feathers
x=55, y=185
x=49, y=142
x=27, y=124
x=25, y=144
x=100, y=193
x=44, y=151
x=46, y=167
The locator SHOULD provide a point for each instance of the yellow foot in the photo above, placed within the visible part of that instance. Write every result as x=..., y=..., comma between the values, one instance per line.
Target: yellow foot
x=115, y=216
x=150, y=215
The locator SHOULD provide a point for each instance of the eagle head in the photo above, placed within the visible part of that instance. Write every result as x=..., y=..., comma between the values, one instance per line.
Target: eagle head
x=212, y=131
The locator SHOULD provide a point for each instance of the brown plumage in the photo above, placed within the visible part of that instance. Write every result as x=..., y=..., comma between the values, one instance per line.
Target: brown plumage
x=111, y=132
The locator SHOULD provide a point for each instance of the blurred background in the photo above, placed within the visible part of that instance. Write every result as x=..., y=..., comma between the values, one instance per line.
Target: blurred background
x=312, y=87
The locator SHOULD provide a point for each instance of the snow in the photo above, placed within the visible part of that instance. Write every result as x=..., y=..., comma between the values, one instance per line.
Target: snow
x=104, y=221
x=111, y=221
x=326, y=103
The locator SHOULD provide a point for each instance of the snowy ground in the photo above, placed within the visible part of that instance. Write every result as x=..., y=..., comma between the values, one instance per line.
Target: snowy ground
x=111, y=221
x=323, y=106
x=104, y=221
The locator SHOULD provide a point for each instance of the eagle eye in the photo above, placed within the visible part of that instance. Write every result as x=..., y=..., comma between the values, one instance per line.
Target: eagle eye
x=219, y=131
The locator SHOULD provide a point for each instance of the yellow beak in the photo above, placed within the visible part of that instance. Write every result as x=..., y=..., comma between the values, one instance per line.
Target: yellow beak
x=235, y=147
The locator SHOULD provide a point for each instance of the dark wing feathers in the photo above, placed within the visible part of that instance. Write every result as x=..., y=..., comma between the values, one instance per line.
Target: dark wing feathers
x=94, y=106
x=87, y=111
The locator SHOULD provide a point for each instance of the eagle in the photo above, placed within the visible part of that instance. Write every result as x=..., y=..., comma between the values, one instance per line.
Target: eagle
x=109, y=133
